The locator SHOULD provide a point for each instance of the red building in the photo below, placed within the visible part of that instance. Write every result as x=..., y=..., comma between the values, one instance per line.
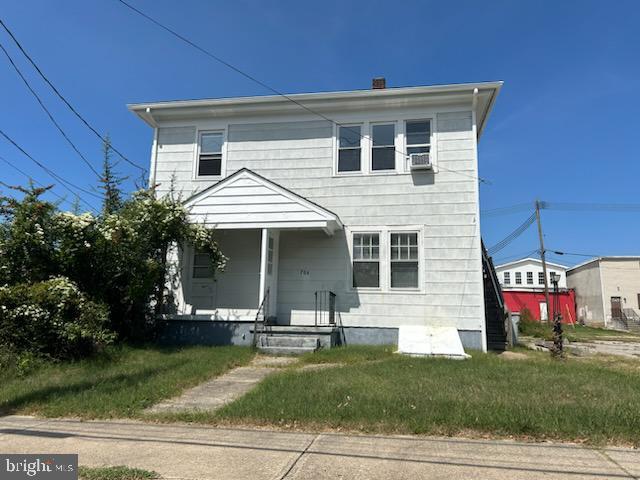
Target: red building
x=516, y=301
x=522, y=283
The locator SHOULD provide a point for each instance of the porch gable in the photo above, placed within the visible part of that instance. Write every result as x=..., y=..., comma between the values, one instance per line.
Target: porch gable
x=248, y=200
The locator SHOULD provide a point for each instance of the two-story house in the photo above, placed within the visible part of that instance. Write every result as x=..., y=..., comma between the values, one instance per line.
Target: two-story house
x=522, y=283
x=360, y=204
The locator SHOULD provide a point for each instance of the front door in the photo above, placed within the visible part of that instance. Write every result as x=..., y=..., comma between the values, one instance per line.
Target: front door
x=616, y=307
x=543, y=311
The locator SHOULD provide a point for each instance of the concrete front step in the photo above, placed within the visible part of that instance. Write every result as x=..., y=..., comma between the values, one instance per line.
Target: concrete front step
x=271, y=350
x=289, y=341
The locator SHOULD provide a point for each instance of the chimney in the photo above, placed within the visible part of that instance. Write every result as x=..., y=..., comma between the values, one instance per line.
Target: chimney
x=378, y=83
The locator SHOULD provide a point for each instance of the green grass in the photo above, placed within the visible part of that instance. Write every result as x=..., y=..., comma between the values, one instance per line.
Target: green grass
x=121, y=382
x=535, y=397
x=115, y=473
x=350, y=355
x=575, y=333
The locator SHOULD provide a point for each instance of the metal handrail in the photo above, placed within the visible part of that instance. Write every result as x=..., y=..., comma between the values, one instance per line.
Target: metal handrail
x=325, y=299
x=264, y=305
x=494, y=276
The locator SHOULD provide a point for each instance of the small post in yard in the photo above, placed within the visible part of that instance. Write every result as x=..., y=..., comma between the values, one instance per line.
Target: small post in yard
x=557, y=350
x=543, y=259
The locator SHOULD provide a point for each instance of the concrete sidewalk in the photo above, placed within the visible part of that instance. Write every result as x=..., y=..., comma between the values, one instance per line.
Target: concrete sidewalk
x=199, y=452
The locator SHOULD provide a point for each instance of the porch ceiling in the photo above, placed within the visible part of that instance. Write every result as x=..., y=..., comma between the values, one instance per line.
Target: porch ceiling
x=248, y=200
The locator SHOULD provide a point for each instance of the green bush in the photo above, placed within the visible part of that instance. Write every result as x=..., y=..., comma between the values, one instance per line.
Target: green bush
x=51, y=319
x=531, y=327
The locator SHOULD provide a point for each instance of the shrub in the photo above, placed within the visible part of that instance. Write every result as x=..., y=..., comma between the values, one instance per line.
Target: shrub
x=51, y=319
x=532, y=327
x=120, y=258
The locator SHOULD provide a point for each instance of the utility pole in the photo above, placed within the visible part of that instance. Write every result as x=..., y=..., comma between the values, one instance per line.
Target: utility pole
x=542, y=257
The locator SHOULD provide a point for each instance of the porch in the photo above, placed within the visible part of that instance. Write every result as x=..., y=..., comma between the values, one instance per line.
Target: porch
x=251, y=215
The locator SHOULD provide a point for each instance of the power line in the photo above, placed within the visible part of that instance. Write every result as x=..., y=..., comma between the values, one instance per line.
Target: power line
x=64, y=182
x=517, y=255
x=66, y=102
x=53, y=120
x=591, y=207
x=60, y=197
x=513, y=235
x=494, y=212
x=265, y=85
x=557, y=252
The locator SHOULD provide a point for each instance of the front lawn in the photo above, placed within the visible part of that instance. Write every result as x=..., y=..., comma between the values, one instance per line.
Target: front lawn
x=120, y=382
x=530, y=397
x=575, y=333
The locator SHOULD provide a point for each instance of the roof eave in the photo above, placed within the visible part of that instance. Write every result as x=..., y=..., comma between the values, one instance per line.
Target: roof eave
x=145, y=110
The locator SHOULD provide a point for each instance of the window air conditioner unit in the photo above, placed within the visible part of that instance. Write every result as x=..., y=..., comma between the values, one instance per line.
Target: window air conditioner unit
x=420, y=161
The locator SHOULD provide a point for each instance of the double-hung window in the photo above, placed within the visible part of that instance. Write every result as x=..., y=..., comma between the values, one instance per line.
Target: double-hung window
x=529, y=278
x=540, y=278
x=507, y=278
x=418, y=136
x=202, y=265
x=383, y=149
x=404, y=260
x=349, y=148
x=210, y=154
x=366, y=260
x=518, y=278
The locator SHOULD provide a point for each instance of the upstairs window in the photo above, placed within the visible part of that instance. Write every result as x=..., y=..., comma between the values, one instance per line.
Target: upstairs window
x=202, y=265
x=349, y=148
x=383, y=150
x=366, y=260
x=507, y=278
x=404, y=260
x=210, y=154
x=418, y=136
x=540, y=278
x=518, y=278
x=529, y=278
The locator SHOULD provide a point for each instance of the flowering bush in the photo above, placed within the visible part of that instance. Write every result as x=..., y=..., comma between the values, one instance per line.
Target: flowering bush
x=119, y=258
x=52, y=319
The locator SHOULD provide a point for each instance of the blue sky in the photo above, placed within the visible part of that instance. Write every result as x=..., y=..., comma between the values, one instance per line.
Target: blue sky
x=564, y=129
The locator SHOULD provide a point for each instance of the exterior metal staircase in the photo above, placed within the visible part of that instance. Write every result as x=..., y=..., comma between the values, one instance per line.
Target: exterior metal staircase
x=494, y=308
x=630, y=320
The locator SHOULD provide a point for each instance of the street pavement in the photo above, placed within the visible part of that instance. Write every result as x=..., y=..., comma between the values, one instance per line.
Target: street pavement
x=180, y=451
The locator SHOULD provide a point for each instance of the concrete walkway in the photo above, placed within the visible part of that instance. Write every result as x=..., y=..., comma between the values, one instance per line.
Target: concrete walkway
x=219, y=391
x=178, y=451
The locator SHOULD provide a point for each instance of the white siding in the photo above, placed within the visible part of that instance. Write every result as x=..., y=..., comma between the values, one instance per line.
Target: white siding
x=535, y=267
x=299, y=156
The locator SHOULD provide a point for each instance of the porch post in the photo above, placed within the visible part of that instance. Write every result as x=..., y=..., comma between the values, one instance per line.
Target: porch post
x=264, y=247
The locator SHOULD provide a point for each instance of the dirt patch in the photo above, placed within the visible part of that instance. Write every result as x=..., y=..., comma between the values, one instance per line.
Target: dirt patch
x=514, y=355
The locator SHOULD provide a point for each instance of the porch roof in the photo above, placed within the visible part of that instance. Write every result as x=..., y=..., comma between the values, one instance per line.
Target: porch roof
x=248, y=200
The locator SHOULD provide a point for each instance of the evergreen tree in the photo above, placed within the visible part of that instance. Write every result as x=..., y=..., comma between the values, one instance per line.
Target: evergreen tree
x=110, y=182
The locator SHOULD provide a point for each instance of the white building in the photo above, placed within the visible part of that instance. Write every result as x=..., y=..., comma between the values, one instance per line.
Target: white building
x=607, y=291
x=526, y=274
x=304, y=205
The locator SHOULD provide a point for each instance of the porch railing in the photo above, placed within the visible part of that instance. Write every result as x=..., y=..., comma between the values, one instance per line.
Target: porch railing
x=325, y=313
x=261, y=316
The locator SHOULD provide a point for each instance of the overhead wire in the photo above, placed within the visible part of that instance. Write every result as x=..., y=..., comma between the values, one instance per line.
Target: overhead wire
x=30, y=177
x=269, y=87
x=65, y=183
x=513, y=235
x=46, y=110
x=64, y=99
